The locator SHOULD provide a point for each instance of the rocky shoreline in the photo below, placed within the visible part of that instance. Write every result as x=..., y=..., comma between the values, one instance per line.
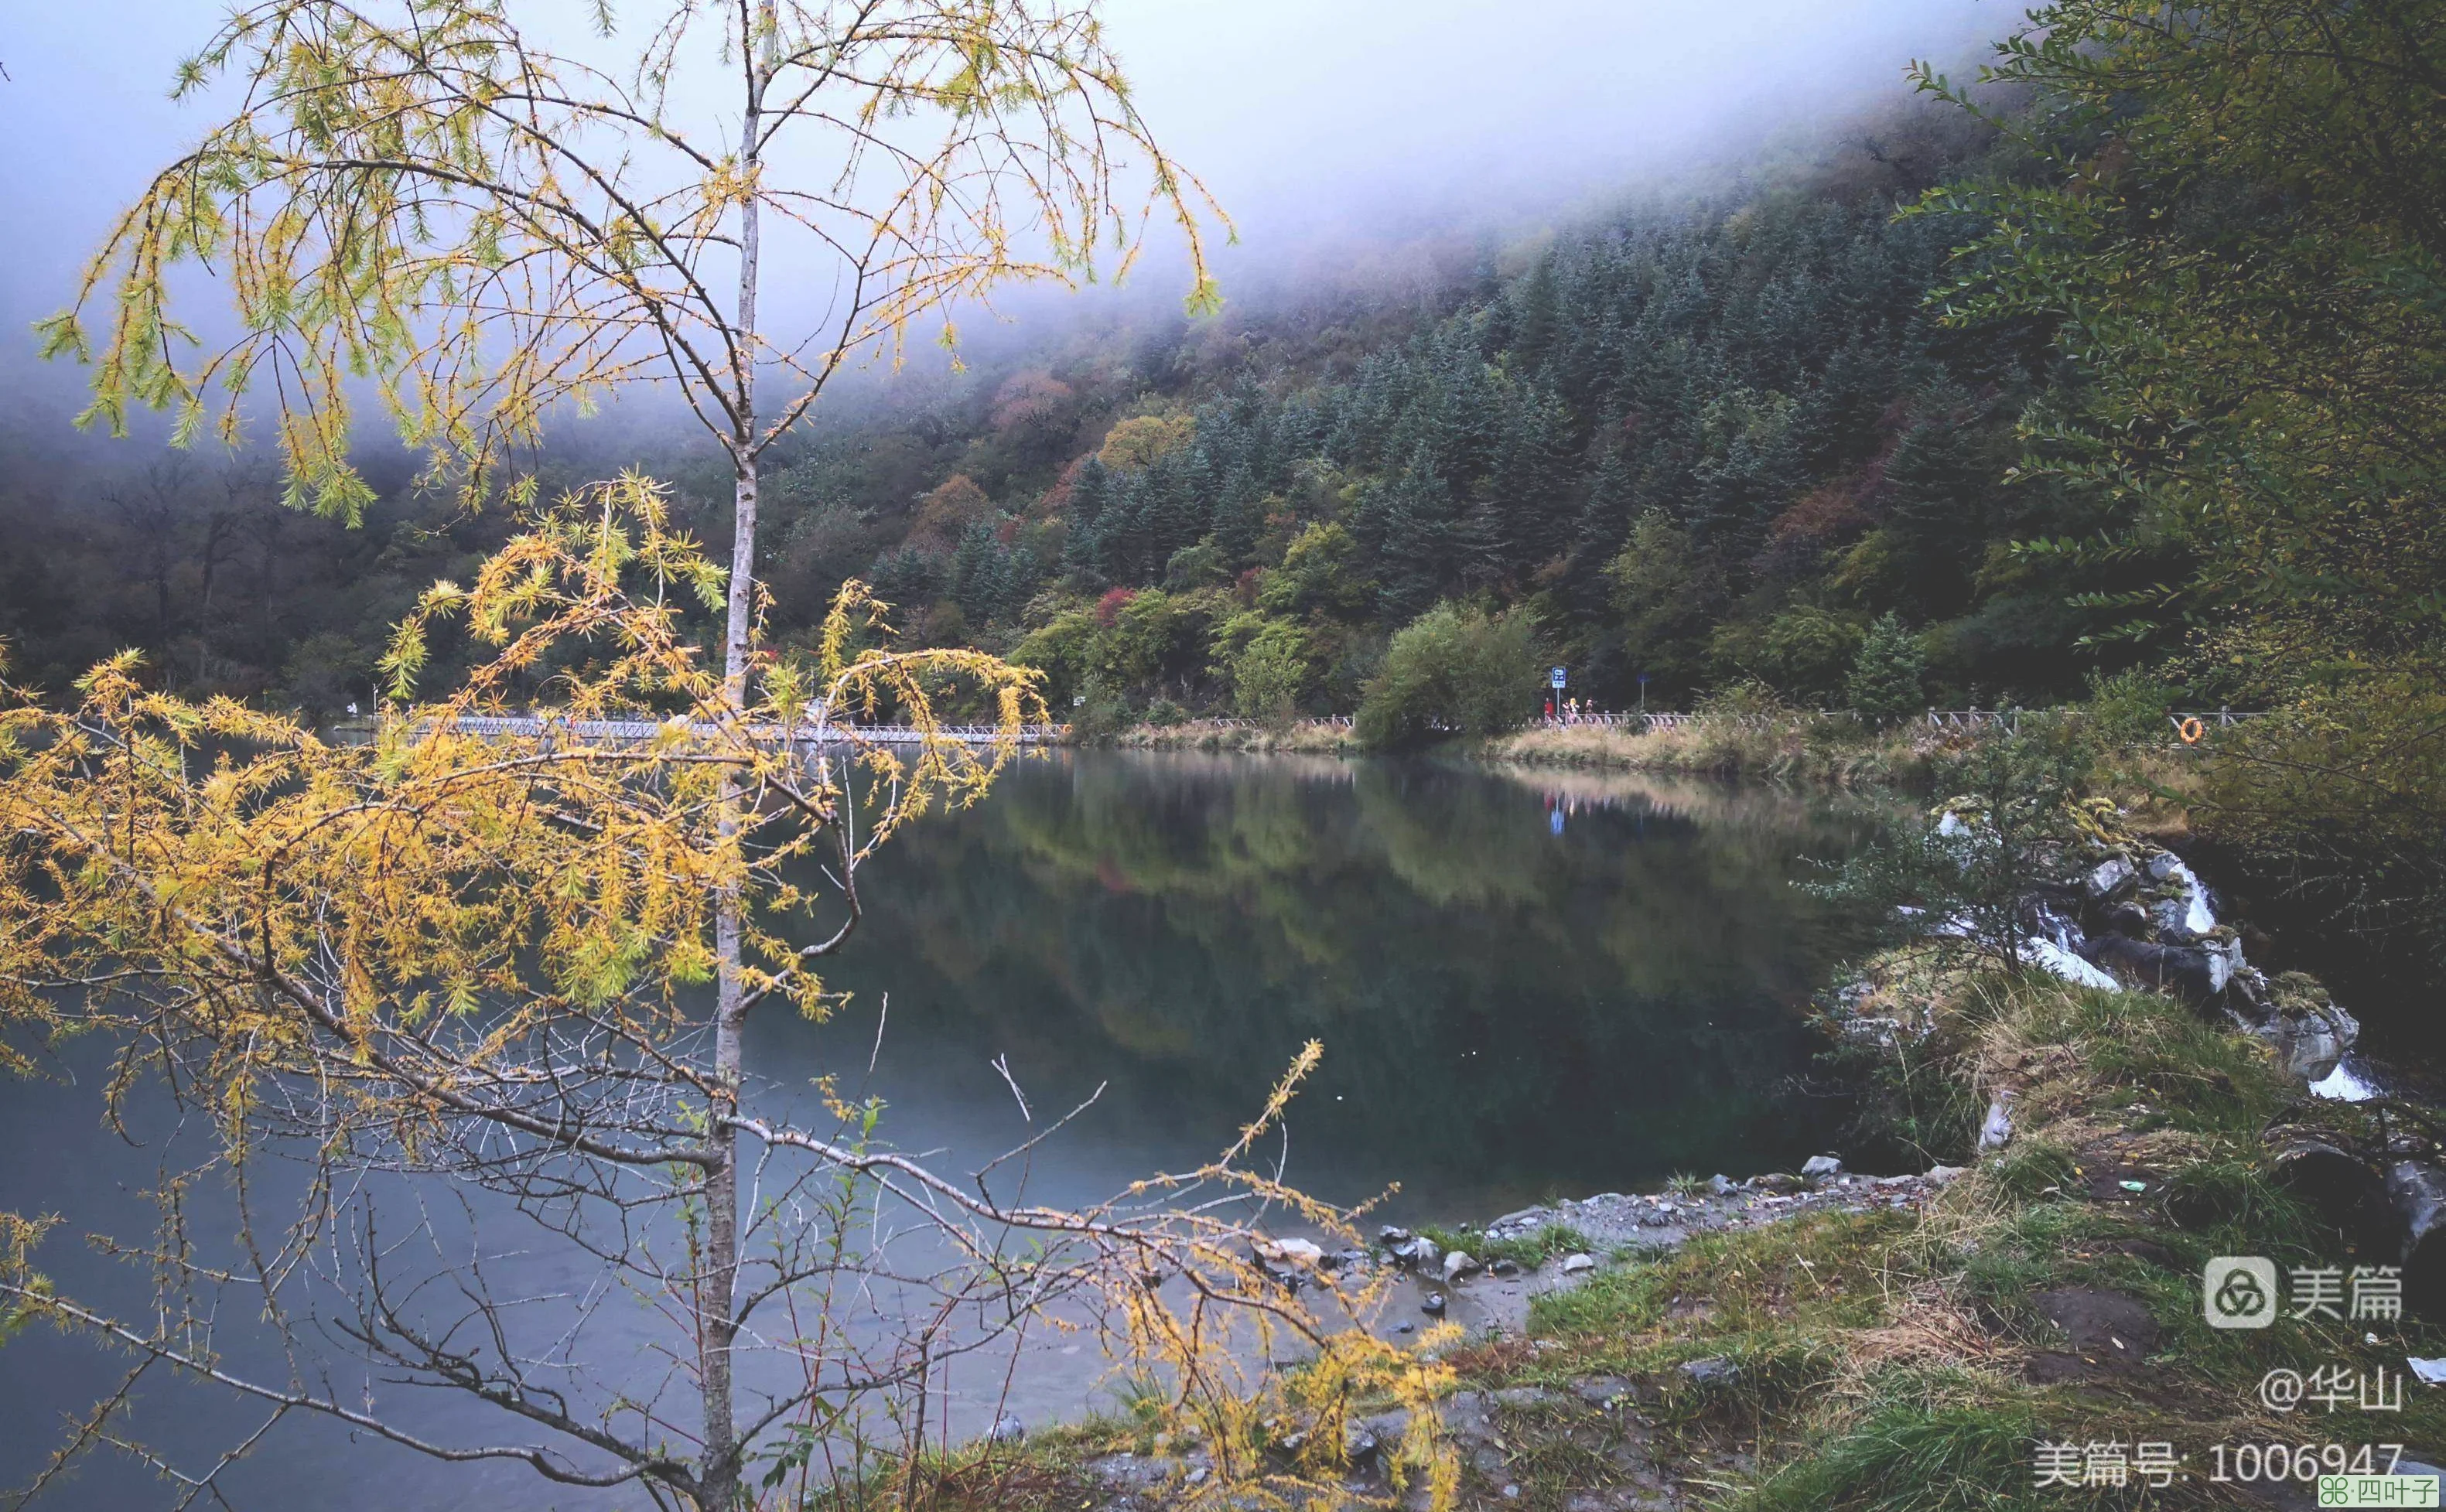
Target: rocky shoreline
x=2121, y=912
x=1493, y=1301
x=1490, y=1303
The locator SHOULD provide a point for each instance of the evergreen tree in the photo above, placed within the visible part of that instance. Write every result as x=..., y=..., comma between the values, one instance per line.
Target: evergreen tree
x=1529, y=523
x=975, y=575
x=1890, y=676
x=1238, y=515
x=1090, y=511
x=1934, y=512
x=1415, y=525
x=1534, y=312
x=906, y=579
x=1604, y=522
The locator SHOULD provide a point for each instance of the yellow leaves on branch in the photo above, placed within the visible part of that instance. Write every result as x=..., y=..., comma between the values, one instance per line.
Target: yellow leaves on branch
x=424, y=192
x=278, y=904
x=465, y=941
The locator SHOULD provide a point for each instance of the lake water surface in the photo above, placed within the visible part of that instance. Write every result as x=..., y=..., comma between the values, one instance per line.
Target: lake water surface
x=1525, y=985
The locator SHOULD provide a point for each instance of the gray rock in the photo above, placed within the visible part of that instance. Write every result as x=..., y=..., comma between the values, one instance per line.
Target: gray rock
x=1940, y=1175
x=1820, y=1165
x=1503, y=1267
x=1713, y=1371
x=1126, y=1472
x=1384, y=1427
x=1574, y=1264
x=1722, y=1185
x=2196, y=971
x=2107, y=878
x=1434, y=1305
x=1460, y=1263
x=2312, y=1045
x=1007, y=1429
x=1518, y=1396
x=1465, y=1418
x=2417, y=1192
x=1422, y=1253
x=2163, y=865
x=1604, y=1390
x=1996, y=1130
x=2309, y=1031
x=1392, y=1238
x=2167, y=917
x=2346, y=1190
x=1288, y=1252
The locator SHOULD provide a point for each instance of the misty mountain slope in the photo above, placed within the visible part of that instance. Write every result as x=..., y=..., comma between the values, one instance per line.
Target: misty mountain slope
x=1705, y=440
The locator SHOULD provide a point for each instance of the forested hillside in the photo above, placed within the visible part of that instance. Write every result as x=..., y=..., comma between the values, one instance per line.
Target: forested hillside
x=2130, y=365
x=1705, y=440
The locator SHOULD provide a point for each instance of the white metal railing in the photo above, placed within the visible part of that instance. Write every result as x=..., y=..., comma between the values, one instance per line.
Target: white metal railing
x=1328, y=721
x=2188, y=725
x=836, y=732
x=1968, y=721
x=2006, y=720
x=2221, y=720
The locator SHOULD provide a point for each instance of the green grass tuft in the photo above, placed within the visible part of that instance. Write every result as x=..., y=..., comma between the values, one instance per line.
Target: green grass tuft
x=1902, y=1459
x=1528, y=1251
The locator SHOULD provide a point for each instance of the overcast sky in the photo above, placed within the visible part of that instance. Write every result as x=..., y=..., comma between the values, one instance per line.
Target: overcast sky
x=1311, y=120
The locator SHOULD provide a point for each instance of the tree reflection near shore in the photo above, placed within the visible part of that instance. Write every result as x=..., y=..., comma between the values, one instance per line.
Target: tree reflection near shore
x=1508, y=1011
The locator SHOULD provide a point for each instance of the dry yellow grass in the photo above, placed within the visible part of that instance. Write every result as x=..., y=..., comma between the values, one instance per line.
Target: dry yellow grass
x=1800, y=749
x=1306, y=736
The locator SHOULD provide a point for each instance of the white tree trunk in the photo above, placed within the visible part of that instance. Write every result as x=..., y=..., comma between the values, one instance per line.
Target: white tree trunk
x=718, y=1269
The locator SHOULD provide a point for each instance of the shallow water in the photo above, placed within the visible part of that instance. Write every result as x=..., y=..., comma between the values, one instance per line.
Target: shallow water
x=1525, y=985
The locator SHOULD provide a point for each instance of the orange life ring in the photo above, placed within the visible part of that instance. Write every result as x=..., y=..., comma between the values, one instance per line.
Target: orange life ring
x=2191, y=730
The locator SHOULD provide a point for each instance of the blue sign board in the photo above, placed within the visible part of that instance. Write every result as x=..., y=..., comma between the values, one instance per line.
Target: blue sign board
x=1555, y=677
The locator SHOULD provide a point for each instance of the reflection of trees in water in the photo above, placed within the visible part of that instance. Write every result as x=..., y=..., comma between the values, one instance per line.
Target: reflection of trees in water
x=1614, y=1002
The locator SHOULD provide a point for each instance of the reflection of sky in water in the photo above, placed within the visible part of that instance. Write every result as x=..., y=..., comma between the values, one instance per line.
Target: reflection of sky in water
x=1509, y=1010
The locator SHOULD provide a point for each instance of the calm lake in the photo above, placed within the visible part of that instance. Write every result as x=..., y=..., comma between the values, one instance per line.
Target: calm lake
x=1525, y=985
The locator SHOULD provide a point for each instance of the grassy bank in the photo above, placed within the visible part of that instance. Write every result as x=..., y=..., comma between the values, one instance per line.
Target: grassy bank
x=1783, y=751
x=1914, y=1362
x=2146, y=781
x=1914, y=1359
x=1305, y=736
x=1779, y=750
